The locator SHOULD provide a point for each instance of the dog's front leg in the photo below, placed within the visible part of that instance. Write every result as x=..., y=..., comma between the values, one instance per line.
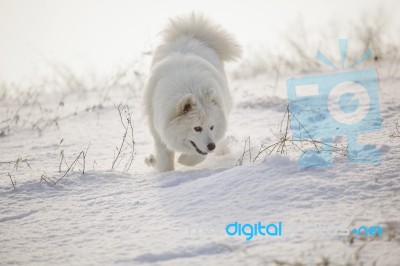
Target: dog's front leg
x=164, y=157
x=191, y=159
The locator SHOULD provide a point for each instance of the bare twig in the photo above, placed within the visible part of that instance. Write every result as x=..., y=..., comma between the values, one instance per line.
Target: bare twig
x=54, y=180
x=285, y=142
x=125, y=114
x=62, y=159
x=245, y=150
x=13, y=182
x=17, y=162
x=84, y=159
x=396, y=134
x=69, y=168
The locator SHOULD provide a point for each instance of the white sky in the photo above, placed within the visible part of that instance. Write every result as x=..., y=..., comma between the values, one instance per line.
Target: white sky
x=96, y=34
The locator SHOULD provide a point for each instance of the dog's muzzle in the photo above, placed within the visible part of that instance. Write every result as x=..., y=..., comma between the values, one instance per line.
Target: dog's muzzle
x=197, y=149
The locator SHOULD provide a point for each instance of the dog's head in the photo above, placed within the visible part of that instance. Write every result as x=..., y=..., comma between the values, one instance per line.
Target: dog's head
x=197, y=124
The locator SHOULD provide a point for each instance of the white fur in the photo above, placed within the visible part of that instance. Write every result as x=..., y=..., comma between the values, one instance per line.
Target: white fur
x=187, y=88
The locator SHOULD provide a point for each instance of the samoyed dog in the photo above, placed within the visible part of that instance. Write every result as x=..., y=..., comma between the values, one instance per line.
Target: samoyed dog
x=187, y=99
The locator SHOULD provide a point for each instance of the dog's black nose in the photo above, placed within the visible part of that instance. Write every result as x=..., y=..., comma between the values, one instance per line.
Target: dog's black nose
x=211, y=146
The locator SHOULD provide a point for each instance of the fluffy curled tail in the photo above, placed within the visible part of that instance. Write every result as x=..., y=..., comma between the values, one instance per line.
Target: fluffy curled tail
x=199, y=27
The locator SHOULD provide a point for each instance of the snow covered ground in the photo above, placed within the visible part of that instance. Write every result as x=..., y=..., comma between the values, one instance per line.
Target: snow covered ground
x=105, y=217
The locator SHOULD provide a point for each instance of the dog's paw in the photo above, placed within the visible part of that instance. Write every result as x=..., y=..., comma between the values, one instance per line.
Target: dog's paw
x=150, y=160
x=191, y=160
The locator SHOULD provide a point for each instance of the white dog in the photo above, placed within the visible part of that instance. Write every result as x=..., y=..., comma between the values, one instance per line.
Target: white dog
x=187, y=98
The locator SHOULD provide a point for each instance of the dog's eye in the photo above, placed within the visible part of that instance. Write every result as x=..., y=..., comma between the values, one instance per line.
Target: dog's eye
x=212, y=127
x=198, y=129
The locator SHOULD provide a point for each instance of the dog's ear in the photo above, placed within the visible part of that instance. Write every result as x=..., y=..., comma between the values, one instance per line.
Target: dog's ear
x=211, y=96
x=186, y=104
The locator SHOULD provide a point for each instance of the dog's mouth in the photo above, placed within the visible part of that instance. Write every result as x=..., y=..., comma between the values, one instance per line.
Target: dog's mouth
x=197, y=149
